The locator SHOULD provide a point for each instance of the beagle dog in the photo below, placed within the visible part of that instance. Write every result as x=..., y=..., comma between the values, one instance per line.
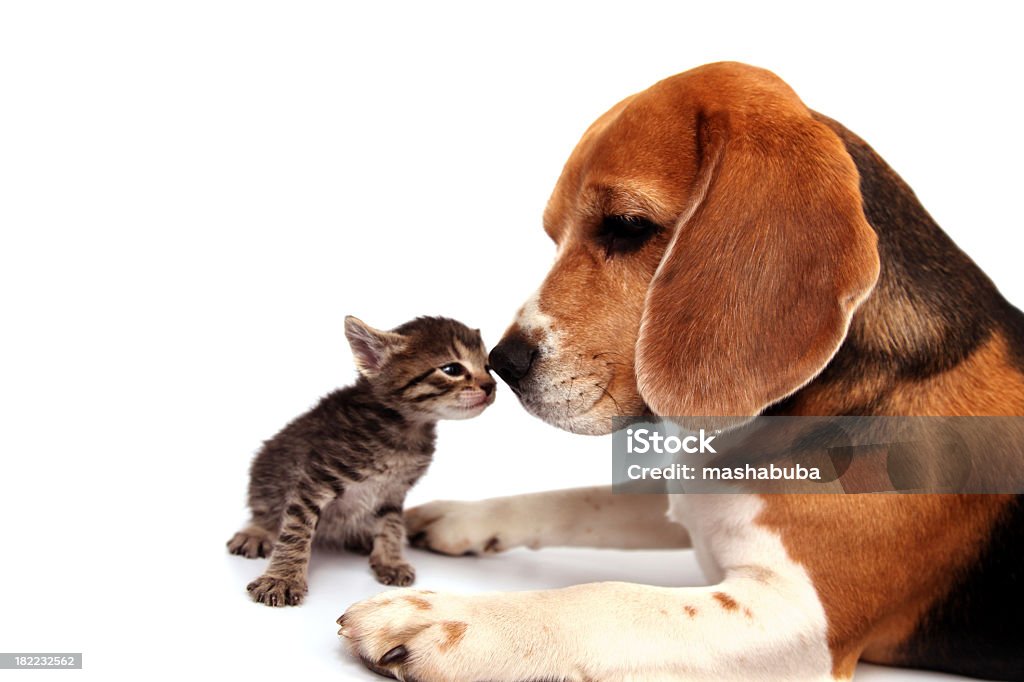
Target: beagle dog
x=724, y=250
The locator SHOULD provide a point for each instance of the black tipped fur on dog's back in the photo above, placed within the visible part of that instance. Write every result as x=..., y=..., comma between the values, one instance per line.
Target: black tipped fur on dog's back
x=923, y=275
x=948, y=308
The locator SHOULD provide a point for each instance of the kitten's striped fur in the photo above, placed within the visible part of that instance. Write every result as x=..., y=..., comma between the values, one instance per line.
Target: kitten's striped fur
x=338, y=474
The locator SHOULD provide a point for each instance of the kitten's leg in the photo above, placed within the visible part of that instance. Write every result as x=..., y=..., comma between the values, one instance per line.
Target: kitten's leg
x=258, y=537
x=581, y=517
x=251, y=542
x=284, y=582
x=386, y=558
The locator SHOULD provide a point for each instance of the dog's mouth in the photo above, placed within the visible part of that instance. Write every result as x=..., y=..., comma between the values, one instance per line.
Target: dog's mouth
x=573, y=390
x=580, y=404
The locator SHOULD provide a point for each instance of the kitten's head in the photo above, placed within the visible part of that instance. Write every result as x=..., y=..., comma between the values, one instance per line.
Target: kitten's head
x=431, y=367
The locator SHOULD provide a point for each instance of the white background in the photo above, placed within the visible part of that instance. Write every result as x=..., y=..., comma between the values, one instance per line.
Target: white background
x=194, y=194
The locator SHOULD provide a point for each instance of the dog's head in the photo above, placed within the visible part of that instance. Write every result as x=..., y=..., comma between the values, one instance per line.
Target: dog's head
x=711, y=249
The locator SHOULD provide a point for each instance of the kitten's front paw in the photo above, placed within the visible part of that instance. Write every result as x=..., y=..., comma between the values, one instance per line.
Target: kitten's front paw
x=401, y=574
x=251, y=542
x=273, y=591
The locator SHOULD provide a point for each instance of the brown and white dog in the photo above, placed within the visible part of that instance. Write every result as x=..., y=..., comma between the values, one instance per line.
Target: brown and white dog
x=724, y=250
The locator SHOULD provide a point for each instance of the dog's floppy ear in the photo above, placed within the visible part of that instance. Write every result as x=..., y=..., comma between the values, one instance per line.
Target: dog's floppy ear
x=773, y=255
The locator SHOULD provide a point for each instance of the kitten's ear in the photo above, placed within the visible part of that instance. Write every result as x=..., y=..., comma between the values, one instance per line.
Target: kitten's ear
x=370, y=347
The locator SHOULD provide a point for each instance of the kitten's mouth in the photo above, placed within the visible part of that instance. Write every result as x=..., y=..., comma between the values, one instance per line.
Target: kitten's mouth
x=477, y=401
x=472, y=401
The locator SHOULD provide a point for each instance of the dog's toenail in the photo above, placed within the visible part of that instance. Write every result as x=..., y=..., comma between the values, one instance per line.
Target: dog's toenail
x=395, y=655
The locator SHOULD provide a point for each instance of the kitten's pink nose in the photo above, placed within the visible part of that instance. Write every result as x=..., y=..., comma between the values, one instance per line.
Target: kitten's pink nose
x=488, y=387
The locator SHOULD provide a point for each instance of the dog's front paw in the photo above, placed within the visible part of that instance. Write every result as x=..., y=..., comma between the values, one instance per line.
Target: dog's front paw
x=274, y=591
x=430, y=637
x=458, y=528
x=506, y=636
x=401, y=574
x=412, y=634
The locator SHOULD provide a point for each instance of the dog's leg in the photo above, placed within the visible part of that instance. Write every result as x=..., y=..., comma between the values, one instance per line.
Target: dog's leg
x=763, y=620
x=758, y=624
x=580, y=517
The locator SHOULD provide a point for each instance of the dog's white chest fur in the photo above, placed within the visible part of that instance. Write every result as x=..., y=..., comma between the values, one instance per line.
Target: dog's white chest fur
x=733, y=549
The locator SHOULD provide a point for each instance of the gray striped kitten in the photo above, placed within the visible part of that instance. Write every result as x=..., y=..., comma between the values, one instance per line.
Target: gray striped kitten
x=338, y=475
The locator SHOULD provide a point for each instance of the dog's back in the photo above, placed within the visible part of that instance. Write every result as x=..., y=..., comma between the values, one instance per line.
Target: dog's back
x=947, y=313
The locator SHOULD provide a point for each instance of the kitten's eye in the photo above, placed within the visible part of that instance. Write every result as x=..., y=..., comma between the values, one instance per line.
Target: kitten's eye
x=453, y=369
x=625, y=233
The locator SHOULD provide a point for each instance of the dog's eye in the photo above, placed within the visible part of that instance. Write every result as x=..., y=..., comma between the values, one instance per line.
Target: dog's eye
x=625, y=233
x=453, y=369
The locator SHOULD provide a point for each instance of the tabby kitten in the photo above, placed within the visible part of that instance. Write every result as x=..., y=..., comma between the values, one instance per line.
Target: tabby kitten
x=339, y=473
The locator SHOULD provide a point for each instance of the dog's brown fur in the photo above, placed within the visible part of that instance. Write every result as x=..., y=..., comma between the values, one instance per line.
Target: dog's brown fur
x=793, y=272
x=724, y=251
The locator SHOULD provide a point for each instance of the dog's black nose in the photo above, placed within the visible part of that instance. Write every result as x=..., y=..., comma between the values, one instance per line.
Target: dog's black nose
x=512, y=358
